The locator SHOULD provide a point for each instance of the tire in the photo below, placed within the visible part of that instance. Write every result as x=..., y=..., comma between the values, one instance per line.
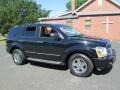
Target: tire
x=80, y=65
x=19, y=57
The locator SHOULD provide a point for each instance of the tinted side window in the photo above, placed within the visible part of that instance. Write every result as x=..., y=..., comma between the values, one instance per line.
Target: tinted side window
x=30, y=31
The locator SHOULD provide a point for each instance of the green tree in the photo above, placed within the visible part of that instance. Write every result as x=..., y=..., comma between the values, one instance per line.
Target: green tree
x=78, y=4
x=13, y=12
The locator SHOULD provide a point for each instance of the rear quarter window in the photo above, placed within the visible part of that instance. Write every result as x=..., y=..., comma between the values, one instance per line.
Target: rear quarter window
x=15, y=32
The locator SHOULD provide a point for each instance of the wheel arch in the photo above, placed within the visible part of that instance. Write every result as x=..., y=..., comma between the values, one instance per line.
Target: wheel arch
x=74, y=52
x=15, y=46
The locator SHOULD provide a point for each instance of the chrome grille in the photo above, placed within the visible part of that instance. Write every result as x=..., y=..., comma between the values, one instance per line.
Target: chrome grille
x=108, y=45
x=109, y=49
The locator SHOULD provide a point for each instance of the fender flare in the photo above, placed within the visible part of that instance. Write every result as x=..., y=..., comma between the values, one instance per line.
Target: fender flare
x=15, y=45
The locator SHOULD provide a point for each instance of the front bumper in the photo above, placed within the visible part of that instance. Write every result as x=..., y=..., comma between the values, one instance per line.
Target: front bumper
x=106, y=62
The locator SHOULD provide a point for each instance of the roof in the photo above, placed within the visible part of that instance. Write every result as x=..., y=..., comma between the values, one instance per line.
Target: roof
x=89, y=1
x=70, y=12
x=37, y=24
x=86, y=3
x=98, y=13
x=58, y=18
x=82, y=6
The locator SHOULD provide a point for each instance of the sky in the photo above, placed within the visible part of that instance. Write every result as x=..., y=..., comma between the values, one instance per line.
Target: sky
x=57, y=6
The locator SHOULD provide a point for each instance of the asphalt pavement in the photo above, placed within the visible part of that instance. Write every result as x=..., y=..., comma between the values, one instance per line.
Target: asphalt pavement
x=39, y=76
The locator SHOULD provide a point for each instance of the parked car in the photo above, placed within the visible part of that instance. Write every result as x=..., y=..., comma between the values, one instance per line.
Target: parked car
x=59, y=44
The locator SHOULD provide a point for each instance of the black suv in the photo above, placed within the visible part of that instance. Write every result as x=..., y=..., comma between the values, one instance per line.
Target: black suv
x=59, y=44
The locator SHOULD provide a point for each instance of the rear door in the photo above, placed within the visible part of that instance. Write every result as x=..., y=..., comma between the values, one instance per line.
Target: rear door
x=29, y=39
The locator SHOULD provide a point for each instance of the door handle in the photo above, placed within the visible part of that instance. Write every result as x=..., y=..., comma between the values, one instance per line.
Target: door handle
x=40, y=42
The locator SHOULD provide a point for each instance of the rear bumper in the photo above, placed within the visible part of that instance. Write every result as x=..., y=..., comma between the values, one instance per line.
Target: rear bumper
x=103, y=63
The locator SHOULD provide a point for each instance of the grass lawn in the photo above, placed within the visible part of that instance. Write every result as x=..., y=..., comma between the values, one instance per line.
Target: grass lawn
x=2, y=41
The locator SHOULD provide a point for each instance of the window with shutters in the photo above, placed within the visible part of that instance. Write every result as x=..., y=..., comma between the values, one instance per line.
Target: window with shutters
x=88, y=24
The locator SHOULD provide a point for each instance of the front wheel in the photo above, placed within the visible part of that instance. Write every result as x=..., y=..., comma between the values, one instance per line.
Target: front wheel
x=80, y=65
x=18, y=57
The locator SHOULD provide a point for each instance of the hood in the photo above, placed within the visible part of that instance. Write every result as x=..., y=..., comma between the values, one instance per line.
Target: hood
x=92, y=41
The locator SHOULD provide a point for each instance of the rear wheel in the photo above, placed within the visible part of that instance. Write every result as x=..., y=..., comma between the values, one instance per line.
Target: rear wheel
x=80, y=65
x=19, y=57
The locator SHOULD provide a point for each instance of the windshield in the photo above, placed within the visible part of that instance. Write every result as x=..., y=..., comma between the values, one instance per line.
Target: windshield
x=70, y=31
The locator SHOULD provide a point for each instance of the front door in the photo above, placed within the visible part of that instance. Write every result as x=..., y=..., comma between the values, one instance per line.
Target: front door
x=49, y=48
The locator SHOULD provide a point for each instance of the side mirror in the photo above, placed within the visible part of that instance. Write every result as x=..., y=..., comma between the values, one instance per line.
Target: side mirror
x=55, y=36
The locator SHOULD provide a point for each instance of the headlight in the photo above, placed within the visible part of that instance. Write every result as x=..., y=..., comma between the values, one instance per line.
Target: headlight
x=101, y=51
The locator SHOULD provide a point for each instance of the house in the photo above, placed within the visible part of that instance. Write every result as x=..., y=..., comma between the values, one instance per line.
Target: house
x=99, y=18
